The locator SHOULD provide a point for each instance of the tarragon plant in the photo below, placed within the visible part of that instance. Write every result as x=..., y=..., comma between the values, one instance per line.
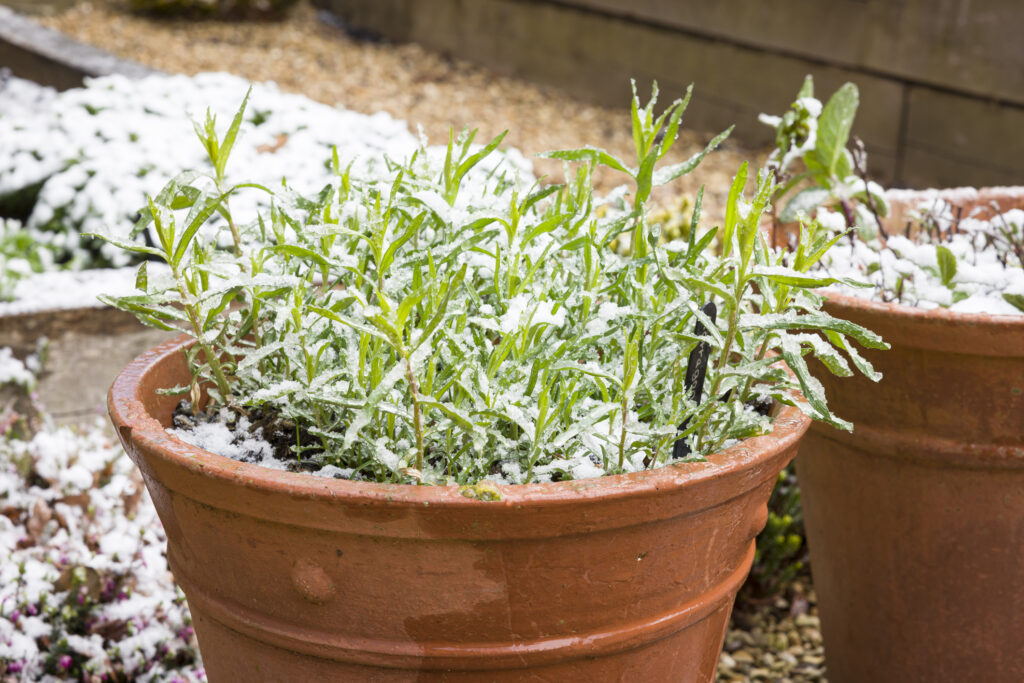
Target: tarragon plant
x=453, y=324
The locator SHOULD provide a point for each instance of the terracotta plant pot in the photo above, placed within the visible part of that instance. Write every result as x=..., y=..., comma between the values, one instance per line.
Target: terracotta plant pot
x=292, y=577
x=915, y=521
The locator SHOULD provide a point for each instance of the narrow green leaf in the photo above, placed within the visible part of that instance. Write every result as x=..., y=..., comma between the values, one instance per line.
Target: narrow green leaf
x=300, y=252
x=588, y=154
x=200, y=213
x=670, y=173
x=1015, y=300
x=229, y=137
x=947, y=264
x=732, y=208
x=127, y=246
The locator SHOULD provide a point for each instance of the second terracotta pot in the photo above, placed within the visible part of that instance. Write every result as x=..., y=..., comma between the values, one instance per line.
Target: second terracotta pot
x=291, y=577
x=915, y=521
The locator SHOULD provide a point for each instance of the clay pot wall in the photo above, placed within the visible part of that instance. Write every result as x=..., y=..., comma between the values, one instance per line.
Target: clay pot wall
x=293, y=577
x=915, y=521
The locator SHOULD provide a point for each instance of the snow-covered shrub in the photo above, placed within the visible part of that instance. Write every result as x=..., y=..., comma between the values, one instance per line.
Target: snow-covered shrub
x=454, y=323
x=85, y=159
x=968, y=262
x=85, y=590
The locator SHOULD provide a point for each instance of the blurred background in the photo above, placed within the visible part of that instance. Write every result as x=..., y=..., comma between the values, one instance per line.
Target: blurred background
x=941, y=82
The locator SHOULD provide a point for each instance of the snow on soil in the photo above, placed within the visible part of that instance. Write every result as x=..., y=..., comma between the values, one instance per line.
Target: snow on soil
x=907, y=271
x=236, y=442
x=85, y=590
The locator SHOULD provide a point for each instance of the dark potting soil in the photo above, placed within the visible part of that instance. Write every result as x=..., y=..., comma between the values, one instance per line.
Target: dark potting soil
x=281, y=434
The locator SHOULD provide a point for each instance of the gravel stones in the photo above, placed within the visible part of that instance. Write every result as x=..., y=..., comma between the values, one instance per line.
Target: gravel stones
x=778, y=642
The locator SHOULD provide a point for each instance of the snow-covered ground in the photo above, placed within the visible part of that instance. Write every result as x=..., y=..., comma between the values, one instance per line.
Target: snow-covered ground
x=67, y=289
x=99, y=150
x=86, y=159
x=85, y=591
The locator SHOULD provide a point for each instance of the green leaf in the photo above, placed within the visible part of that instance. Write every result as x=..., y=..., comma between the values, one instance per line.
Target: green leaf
x=389, y=255
x=472, y=161
x=947, y=264
x=813, y=391
x=142, y=277
x=804, y=202
x=732, y=208
x=300, y=252
x=588, y=154
x=200, y=213
x=408, y=303
x=807, y=89
x=751, y=224
x=229, y=137
x=591, y=370
x=638, y=126
x=861, y=363
x=675, y=114
x=818, y=320
x=795, y=279
x=834, y=127
x=127, y=246
x=670, y=173
x=1015, y=300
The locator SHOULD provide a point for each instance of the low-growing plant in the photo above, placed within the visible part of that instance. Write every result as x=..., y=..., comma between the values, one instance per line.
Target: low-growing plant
x=448, y=324
x=814, y=166
x=781, y=549
x=22, y=253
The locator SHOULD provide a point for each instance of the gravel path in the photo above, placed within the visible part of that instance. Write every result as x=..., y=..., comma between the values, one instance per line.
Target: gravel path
x=306, y=55
x=778, y=642
x=775, y=642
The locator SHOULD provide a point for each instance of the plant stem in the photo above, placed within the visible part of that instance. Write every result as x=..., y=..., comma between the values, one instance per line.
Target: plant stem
x=416, y=411
x=193, y=317
x=723, y=358
x=622, y=436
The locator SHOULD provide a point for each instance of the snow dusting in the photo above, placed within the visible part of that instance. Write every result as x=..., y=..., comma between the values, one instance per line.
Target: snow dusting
x=85, y=590
x=982, y=272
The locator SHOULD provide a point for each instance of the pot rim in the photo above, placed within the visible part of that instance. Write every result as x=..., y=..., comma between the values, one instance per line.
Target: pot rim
x=938, y=314
x=136, y=425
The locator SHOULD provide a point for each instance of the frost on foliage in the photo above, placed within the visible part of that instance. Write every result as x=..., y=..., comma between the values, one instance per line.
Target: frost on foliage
x=446, y=318
x=85, y=590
